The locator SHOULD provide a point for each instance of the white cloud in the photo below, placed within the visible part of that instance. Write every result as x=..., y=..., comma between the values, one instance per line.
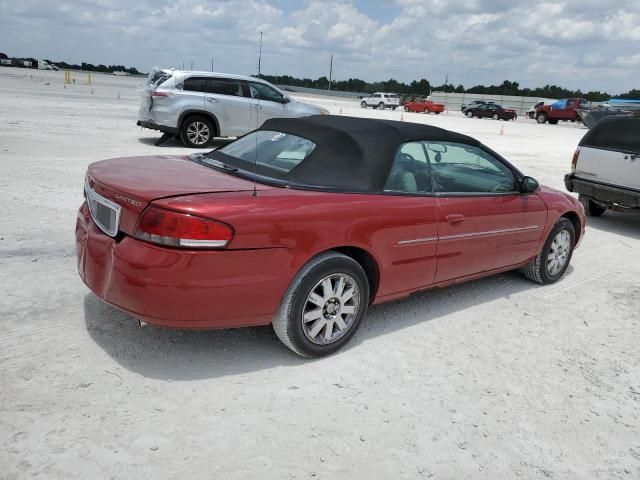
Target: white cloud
x=588, y=44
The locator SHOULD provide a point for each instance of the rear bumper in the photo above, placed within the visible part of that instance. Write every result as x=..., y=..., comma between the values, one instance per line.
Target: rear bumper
x=155, y=126
x=603, y=193
x=180, y=288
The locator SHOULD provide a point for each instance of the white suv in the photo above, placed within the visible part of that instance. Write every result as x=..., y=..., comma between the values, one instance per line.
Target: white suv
x=199, y=106
x=605, y=170
x=381, y=100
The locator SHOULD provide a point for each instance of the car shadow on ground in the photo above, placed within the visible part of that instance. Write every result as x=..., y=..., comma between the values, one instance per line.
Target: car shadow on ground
x=619, y=223
x=175, y=142
x=191, y=354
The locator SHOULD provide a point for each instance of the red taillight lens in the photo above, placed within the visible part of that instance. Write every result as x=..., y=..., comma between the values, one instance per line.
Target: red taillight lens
x=174, y=229
x=159, y=93
x=574, y=160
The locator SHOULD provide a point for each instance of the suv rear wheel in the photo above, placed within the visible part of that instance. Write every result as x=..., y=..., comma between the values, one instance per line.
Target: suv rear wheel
x=591, y=208
x=197, y=132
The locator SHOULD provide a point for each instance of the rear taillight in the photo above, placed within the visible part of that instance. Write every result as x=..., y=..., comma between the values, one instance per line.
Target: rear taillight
x=160, y=93
x=175, y=229
x=574, y=160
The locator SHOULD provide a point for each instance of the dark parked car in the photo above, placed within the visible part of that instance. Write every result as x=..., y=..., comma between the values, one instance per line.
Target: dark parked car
x=491, y=110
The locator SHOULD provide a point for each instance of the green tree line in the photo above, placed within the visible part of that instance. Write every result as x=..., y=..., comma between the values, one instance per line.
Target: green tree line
x=423, y=87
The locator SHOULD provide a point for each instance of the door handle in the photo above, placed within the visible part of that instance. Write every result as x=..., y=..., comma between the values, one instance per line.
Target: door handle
x=257, y=107
x=212, y=100
x=454, y=218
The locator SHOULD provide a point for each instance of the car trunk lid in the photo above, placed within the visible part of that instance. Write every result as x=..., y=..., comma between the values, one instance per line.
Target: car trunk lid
x=119, y=189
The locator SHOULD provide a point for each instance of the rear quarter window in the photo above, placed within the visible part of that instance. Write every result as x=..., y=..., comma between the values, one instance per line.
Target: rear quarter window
x=618, y=134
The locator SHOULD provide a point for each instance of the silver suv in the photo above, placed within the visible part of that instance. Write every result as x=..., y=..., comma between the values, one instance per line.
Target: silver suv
x=199, y=106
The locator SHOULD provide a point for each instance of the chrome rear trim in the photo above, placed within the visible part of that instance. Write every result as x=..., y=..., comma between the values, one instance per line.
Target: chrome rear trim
x=93, y=199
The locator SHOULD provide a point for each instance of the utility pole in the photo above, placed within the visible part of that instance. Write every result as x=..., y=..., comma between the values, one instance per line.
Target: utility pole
x=191, y=65
x=212, y=64
x=330, y=71
x=446, y=81
x=260, y=55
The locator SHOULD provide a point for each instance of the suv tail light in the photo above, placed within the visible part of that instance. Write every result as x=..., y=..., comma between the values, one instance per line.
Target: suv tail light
x=160, y=93
x=574, y=160
x=175, y=229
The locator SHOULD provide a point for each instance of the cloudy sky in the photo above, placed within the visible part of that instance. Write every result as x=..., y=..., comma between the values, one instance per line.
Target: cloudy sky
x=587, y=44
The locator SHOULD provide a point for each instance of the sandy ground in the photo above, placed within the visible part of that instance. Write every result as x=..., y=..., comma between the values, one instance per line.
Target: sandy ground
x=494, y=379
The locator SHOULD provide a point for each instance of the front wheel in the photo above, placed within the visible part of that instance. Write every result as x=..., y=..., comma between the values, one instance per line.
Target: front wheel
x=322, y=308
x=406, y=109
x=495, y=116
x=381, y=106
x=591, y=208
x=553, y=260
x=363, y=104
x=469, y=114
x=541, y=117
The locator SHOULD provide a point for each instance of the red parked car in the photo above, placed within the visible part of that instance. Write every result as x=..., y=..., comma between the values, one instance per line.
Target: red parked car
x=422, y=105
x=306, y=222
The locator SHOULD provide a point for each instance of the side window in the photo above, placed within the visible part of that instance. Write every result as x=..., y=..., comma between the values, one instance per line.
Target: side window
x=460, y=168
x=410, y=171
x=195, y=84
x=264, y=92
x=224, y=86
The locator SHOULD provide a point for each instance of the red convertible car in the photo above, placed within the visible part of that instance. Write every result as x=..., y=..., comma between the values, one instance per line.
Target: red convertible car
x=306, y=222
x=423, y=105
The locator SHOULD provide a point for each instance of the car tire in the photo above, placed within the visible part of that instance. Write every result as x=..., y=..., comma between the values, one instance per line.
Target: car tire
x=381, y=106
x=197, y=132
x=532, y=115
x=469, y=114
x=495, y=116
x=541, y=117
x=406, y=109
x=363, y=104
x=552, y=261
x=289, y=321
x=591, y=208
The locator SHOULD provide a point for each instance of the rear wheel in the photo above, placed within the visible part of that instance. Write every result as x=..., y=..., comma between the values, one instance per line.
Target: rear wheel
x=541, y=117
x=197, y=132
x=363, y=104
x=591, y=208
x=553, y=121
x=495, y=116
x=553, y=260
x=323, y=306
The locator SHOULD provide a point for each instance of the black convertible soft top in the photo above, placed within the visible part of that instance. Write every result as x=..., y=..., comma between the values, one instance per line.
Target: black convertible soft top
x=354, y=154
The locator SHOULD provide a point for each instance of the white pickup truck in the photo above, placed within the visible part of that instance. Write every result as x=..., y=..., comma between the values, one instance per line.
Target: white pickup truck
x=605, y=170
x=381, y=100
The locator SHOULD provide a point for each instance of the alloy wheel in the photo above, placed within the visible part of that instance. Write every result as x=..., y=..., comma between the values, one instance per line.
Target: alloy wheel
x=558, y=252
x=198, y=133
x=330, y=309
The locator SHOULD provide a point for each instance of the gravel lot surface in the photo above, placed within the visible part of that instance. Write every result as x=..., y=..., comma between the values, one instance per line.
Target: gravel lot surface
x=497, y=378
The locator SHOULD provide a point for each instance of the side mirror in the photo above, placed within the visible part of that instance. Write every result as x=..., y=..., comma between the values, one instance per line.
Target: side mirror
x=286, y=100
x=529, y=185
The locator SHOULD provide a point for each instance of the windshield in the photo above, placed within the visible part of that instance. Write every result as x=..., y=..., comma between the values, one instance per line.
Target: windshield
x=268, y=153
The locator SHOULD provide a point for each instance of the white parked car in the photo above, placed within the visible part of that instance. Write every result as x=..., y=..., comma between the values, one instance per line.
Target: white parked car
x=381, y=100
x=198, y=106
x=605, y=170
